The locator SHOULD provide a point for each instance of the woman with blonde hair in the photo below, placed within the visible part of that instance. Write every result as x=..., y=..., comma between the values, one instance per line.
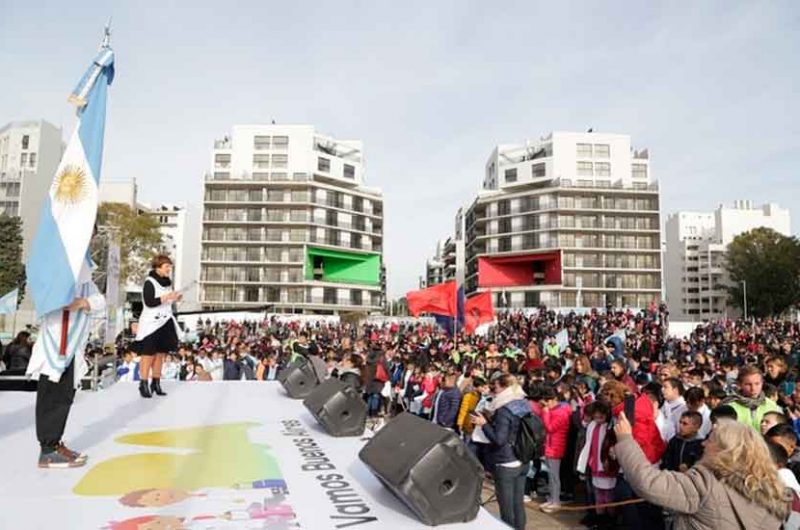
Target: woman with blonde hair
x=734, y=486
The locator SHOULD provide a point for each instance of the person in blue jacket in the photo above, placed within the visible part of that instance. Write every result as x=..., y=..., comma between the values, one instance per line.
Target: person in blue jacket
x=500, y=423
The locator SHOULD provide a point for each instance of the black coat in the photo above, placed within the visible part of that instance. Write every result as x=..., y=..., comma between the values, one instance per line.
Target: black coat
x=680, y=451
x=17, y=356
x=502, y=432
x=351, y=379
x=372, y=385
x=231, y=370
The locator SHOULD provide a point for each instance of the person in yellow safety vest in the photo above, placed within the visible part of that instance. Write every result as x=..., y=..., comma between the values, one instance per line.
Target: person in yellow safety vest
x=749, y=402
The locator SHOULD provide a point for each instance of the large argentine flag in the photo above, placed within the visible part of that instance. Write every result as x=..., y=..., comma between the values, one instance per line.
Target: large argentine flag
x=68, y=214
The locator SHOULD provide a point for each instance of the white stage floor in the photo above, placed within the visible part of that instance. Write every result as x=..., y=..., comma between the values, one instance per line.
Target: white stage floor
x=173, y=463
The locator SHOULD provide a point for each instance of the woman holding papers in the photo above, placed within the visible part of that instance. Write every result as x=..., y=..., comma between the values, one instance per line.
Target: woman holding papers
x=158, y=329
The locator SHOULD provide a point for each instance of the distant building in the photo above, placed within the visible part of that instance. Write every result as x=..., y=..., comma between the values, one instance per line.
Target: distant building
x=289, y=222
x=695, y=255
x=571, y=220
x=434, y=268
x=30, y=152
x=180, y=227
x=447, y=264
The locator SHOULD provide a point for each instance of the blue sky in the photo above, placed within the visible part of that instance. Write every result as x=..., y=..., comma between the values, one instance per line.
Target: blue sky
x=430, y=87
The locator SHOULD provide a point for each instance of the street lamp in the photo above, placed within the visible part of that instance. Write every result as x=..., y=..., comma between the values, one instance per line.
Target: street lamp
x=744, y=295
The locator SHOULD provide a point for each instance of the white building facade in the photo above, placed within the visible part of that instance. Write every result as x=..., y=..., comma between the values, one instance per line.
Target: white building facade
x=29, y=155
x=30, y=152
x=568, y=221
x=289, y=222
x=180, y=227
x=695, y=255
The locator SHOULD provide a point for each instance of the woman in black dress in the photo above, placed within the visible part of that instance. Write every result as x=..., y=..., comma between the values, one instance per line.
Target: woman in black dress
x=158, y=329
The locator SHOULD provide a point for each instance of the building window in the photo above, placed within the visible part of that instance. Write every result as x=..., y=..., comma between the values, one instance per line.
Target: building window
x=32, y=160
x=639, y=171
x=280, y=142
x=260, y=161
x=355, y=297
x=584, y=150
x=280, y=161
x=538, y=170
x=602, y=169
x=323, y=164
x=223, y=161
x=26, y=141
x=585, y=169
x=329, y=295
x=349, y=171
x=23, y=160
x=511, y=175
x=602, y=151
x=261, y=143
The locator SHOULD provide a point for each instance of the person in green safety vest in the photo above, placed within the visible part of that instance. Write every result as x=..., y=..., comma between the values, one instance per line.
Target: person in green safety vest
x=749, y=402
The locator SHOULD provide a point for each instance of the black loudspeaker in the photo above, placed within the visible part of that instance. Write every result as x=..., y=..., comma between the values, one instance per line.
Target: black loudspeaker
x=300, y=378
x=338, y=407
x=428, y=468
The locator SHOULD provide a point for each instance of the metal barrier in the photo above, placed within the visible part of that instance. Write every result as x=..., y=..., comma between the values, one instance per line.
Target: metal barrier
x=99, y=378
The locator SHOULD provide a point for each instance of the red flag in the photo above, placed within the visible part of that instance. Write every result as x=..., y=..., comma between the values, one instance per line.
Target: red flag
x=439, y=299
x=478, y=310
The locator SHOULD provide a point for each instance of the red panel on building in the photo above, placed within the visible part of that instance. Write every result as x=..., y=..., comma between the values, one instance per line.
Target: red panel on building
x=520, y=270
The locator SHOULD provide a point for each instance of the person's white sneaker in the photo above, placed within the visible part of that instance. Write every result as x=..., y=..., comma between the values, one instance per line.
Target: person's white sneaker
x=526, y=498
x=550, y=507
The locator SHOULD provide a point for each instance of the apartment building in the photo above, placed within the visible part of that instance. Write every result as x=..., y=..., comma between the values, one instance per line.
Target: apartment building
x=694, y=264
x=180, y=225
x=434, y=268
x=447, y=264
x=289, y=222
x=30, y=152
x=568, y=221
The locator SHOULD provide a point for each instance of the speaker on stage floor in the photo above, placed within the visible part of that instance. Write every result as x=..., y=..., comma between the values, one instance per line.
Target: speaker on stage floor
x=338, y=407
x=300, y=377
x=428, y=468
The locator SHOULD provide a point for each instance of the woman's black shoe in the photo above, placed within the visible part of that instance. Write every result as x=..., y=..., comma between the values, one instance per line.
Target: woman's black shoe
x=155, y=386
x=143, y=390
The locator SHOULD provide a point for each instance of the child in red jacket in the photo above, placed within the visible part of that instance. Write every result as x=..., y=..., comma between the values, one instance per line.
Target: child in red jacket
x=555, y=416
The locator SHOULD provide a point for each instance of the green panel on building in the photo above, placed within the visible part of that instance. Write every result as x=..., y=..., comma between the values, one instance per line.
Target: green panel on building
x=343, y=267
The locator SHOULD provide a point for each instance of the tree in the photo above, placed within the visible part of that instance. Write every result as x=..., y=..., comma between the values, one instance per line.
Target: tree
x=769, y=263
x=138, y=236
x=12, y=269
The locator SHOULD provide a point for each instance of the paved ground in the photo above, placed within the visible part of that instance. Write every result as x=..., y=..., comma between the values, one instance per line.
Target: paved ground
x=538, y=520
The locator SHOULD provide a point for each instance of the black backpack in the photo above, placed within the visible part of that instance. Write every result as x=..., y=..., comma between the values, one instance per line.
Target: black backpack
x=529, y=443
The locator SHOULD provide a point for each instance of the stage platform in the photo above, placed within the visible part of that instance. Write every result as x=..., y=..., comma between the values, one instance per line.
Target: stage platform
x=209, y=455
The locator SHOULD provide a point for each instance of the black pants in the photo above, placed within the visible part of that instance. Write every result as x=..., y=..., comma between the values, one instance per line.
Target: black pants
x=53, y=401
x=509, y=486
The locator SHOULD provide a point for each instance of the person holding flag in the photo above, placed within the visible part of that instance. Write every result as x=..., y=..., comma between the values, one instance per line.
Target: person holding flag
x=59, y=269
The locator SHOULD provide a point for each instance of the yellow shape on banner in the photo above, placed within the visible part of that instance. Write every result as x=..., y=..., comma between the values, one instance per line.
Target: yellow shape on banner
x=221, y=456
